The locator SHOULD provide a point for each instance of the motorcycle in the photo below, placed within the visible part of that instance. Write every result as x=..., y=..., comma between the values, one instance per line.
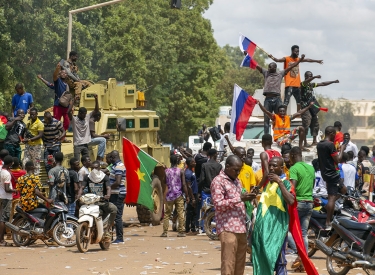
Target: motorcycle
x=353, y=207
x=91, y=225
x=352, y=249
x=208, y=217
x=43, y=223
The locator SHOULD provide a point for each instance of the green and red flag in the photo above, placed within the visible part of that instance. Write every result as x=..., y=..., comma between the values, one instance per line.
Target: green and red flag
x=271, y=228
x=3, y=131
x=139, y=166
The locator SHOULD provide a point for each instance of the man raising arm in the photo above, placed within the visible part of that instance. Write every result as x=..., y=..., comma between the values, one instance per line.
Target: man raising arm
x=310, y=119
x=292, y=79
x=271, y=90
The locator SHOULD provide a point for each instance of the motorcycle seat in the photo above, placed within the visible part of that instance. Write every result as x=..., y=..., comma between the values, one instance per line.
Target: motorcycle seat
x=318, y=215
x=38, y=210
x=352, y=225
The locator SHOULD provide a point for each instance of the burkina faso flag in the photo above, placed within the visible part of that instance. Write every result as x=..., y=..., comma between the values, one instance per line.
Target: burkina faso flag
x=139, y=166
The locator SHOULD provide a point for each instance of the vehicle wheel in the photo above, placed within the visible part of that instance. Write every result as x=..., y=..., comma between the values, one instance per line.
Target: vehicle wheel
x=311, y=237
x=209, y=227
x=22, y=240
x=104, y=245
x=335, y=267
x=82, y=241
x=65, y=237
x=144, y=214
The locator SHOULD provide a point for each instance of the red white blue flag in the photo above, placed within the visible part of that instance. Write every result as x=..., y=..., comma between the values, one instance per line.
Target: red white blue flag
x=242, y=108
x=248, y=61
x=246, y=45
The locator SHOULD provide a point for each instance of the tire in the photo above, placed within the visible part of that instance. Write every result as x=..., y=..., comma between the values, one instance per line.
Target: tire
x=83, y=242
x=210, y=229
x=66, y=238
x=144, y=214
x=22, y=240
x=105, y=245
x=338, y=244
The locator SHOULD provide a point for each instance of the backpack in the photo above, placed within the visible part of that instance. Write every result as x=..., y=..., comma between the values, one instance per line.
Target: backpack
x=65, y=98
x=61, y=179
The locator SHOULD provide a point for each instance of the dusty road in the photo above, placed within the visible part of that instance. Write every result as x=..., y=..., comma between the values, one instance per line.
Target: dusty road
x=144, y=252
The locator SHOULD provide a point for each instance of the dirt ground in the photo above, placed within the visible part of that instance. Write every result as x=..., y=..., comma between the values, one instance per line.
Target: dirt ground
x=144, y=252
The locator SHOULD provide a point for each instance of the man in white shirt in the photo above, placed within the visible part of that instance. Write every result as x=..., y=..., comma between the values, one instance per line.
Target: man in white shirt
x=347, y=172
x=250, y=155
x=84, y=171
x=5, y=196
x=223, y=141
x=320, y=186
x=350, y=146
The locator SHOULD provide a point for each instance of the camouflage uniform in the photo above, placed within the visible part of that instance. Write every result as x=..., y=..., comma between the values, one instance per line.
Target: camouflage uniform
x=34, y=154
x=76, y=86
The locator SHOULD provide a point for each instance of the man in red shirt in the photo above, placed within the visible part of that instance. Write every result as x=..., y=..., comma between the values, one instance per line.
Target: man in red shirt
x=339, y=135
x=292, y=78
x=16, y=171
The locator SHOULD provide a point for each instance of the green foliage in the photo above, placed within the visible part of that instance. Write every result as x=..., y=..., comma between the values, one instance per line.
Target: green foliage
x=342, y=111
x=141, y=42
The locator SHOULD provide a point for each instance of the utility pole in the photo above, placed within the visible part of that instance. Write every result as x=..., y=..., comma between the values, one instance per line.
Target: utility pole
x=70, y=26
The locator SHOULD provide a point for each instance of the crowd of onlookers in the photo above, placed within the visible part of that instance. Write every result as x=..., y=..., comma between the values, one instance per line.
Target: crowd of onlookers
x=41, y=138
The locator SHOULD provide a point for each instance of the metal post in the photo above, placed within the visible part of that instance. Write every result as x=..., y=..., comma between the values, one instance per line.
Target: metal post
x=69, y=34
x=70, y=26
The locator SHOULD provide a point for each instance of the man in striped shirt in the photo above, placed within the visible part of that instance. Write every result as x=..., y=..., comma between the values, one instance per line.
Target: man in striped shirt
x=53, y=133
x=117, y=179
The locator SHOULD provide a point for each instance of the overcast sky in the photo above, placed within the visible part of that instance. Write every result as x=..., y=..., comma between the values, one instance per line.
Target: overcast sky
x=341, y=32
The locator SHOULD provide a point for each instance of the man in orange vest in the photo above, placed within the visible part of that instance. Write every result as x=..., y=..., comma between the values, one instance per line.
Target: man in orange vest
x=281, y=125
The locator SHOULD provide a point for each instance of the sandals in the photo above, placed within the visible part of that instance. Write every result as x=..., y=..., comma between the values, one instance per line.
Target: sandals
x=297, y=263
x=304, y=149
x=164, y=235
x=4, y=243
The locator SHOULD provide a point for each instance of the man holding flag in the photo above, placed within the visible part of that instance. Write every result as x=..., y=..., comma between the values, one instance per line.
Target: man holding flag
x=268, y=242
x=272, y=223
x=272, y=88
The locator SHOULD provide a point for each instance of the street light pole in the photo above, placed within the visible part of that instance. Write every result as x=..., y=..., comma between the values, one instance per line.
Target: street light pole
x=70, y=24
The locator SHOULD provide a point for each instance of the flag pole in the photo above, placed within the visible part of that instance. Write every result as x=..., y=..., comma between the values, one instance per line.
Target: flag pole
x=257, y=46
x=263, y=50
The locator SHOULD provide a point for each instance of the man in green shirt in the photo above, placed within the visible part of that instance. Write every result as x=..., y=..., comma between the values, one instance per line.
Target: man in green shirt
x=302, y=177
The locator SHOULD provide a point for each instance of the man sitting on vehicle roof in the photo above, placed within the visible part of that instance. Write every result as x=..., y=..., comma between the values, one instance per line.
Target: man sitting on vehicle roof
x=281, y=125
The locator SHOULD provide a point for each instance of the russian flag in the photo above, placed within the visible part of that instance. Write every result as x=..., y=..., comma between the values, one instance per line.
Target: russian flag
x=247, y=45
x=242, y=108
x=248, y=61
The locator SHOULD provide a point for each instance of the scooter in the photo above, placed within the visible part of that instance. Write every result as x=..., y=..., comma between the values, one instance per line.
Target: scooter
x=91, y=226
x=352, y=249
x=42, y=224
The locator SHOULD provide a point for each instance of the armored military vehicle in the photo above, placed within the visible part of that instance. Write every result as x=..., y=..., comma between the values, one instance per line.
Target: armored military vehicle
x=124, y=114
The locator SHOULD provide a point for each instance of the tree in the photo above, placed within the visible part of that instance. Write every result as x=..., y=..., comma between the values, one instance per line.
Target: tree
x=338, y=110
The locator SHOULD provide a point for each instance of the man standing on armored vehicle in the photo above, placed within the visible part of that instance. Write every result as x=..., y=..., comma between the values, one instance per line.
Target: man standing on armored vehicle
x=73, y=80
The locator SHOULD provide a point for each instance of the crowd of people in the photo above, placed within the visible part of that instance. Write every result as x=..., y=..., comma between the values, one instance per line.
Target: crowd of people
x=42, y=139
x=22, y=186
x=228, y=177
x=340, y=165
